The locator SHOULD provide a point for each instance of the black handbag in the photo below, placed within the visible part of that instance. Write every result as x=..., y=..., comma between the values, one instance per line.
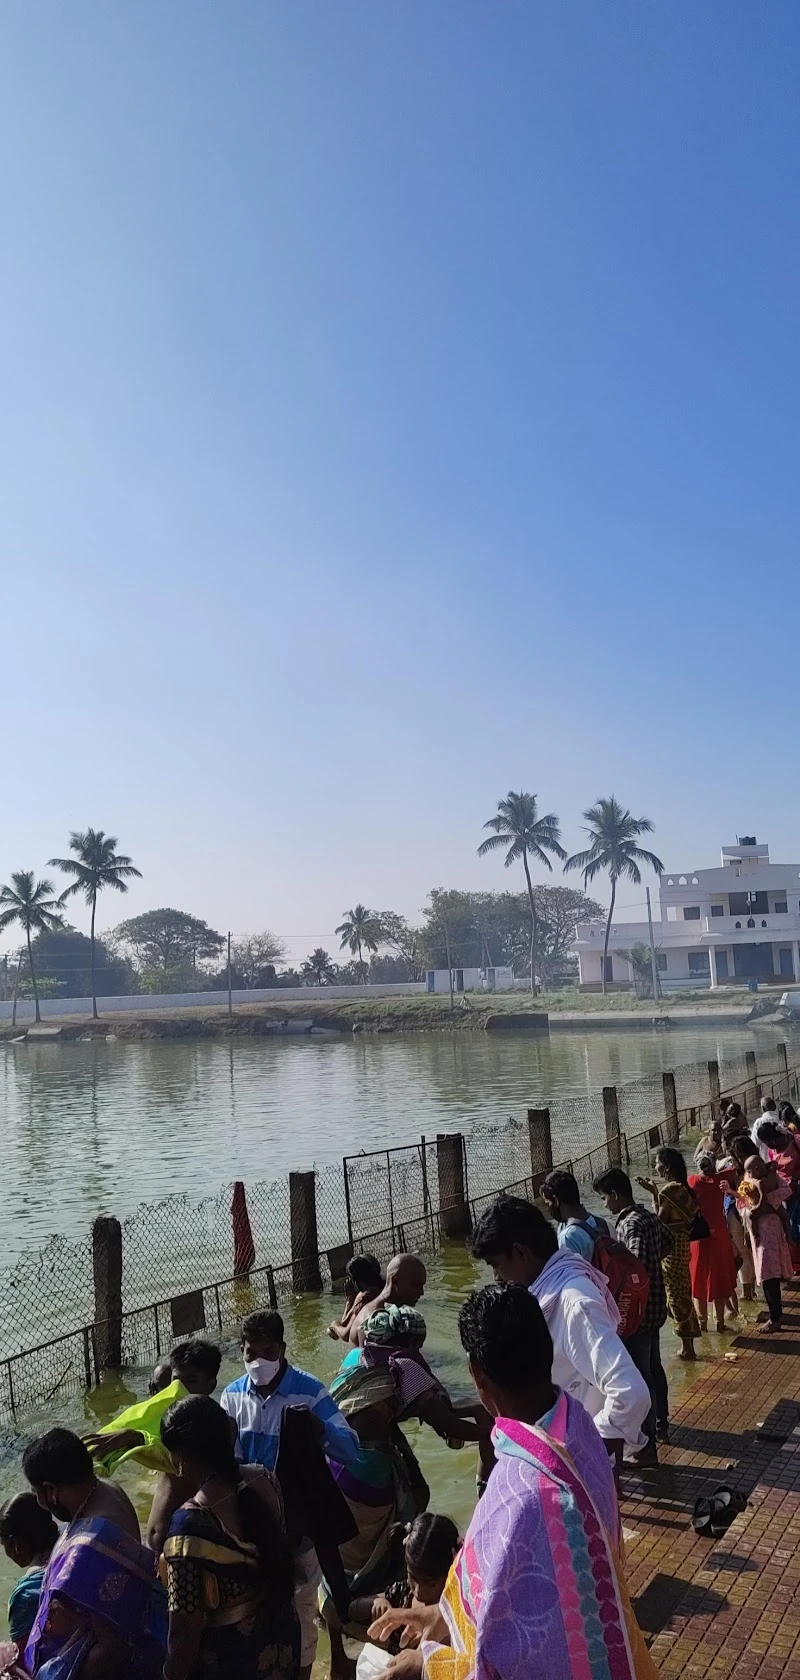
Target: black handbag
x=699, y=1227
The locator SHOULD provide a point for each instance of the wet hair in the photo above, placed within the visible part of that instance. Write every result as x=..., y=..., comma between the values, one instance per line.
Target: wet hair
x=672, y=1163
x=59, y=1457
x=431, y=1544
x=364, y=1271
x=741, y=1147
x=198, y=1429
x=22, y=1518
x=503, y=1330
x=262, y=1327
x=196, y=1355
x=615, y=1181
x=562, y=1186
x=512, y=1220
x=706, y=1163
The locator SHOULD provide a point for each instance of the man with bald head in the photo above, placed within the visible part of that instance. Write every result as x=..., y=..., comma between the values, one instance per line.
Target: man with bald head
x=406, y=1278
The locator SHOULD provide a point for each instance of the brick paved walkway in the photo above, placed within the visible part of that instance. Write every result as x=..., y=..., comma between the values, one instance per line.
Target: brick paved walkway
x=714, y=1608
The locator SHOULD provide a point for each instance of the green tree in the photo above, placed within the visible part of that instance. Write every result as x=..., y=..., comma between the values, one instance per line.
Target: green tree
x=519, y=828
x=30, y=902
x=404, y=940
x=641, y=962
x=360, y=929
x=67, y=955
x=613, y=834
x=96, y=865
x=168, y=944
x=318, y=970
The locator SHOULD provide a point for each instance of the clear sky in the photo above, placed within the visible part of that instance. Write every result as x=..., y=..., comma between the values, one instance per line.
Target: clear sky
x=399, y=405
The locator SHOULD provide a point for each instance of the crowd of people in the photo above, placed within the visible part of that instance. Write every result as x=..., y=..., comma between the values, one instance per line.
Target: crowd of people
x=286, y=1502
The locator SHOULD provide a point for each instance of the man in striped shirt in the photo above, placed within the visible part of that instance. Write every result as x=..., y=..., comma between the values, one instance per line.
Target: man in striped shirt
x=256, y=1403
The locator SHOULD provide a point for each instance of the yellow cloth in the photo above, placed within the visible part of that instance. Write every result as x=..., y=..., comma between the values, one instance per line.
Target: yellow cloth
x=146, y=1418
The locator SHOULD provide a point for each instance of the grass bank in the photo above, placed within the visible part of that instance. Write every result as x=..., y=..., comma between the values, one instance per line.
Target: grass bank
x=418, y=1013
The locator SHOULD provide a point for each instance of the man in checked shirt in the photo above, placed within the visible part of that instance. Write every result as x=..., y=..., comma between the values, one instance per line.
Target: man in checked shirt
x=643, y=1233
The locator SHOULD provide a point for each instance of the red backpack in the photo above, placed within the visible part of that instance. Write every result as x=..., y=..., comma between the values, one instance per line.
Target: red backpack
x=627, y=1278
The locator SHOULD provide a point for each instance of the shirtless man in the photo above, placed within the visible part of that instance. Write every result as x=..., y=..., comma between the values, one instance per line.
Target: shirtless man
x=406, y=1278
x=60, y=1470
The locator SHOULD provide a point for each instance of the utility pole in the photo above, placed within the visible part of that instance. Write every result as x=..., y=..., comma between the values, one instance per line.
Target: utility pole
x=653, y=963
x=230, y=993
x=449, y=963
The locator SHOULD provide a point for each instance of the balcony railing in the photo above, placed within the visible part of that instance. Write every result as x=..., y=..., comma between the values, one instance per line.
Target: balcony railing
x=784, y=926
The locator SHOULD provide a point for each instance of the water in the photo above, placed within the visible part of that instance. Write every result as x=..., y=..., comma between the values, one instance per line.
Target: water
x=99, y=1128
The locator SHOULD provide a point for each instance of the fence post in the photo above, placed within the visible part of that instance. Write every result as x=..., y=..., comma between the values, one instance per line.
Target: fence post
x=541, y=1144
x=671, y=1129
x=306, y=1275
x=783, y=1068
x=753, y=1091
x=107, y=1266
x=611, y=1114
x=713, y=1090
x=454, y=1212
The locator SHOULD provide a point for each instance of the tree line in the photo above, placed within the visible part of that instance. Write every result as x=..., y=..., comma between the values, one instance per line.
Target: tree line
x=169, y=950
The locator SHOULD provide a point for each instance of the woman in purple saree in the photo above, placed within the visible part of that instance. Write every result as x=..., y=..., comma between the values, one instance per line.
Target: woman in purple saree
x=97, y=1604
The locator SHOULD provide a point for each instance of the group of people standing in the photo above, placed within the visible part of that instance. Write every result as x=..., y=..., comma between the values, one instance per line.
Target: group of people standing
x=286, y=1500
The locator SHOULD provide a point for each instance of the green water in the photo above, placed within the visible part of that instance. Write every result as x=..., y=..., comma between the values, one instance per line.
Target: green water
x=99, y=1128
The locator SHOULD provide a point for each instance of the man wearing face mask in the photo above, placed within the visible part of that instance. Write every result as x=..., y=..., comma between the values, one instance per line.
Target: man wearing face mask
x=256, y=1403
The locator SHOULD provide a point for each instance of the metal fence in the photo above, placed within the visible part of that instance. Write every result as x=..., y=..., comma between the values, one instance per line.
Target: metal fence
x=178, y=1257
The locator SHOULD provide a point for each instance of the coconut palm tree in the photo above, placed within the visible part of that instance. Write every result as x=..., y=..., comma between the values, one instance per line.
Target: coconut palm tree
x=525, y=834
x=30, y=903
x=318, y=969
x=361, y=927
x=96, y=864
x=613, y=833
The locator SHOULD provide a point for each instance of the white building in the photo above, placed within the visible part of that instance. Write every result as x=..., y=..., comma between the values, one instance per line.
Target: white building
x=497, y=979
x=735, y=923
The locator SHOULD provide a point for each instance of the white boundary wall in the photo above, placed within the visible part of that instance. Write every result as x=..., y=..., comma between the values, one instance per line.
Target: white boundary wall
x=52, y=1007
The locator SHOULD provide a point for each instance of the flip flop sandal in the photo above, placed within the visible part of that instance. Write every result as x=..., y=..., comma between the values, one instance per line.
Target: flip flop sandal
x=713, y=1515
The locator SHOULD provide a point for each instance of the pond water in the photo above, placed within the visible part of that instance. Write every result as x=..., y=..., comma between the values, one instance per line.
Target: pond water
x=99, y=1128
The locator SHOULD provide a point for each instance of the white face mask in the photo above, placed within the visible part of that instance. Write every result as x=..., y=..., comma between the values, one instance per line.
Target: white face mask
x=262, y=1371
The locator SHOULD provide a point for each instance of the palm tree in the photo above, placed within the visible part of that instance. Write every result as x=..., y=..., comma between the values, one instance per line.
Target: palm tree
x=613, y=833
x=361, y=927
x=318, y=968
x=519, y=827
x=29, y=902
x=96, y=864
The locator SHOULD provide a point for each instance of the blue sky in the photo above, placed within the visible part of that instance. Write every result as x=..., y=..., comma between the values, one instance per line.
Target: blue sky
x=399, y=406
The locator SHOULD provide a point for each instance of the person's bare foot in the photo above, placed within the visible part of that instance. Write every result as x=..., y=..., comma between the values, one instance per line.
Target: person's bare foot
x=723, y=1329
x=771, y=1327
x=687, y=1353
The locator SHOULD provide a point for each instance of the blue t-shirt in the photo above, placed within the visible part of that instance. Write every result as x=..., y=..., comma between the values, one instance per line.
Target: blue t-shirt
x=574, y=1235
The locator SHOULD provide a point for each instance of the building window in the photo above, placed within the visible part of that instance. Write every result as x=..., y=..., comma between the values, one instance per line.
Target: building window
x=691, y=912
x=717, y=909
x=698, y=962
x=661, y=962
x=781, y=907
x=749, y=904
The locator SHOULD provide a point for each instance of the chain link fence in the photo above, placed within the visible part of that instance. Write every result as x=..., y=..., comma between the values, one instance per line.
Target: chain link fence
x=180, y=1259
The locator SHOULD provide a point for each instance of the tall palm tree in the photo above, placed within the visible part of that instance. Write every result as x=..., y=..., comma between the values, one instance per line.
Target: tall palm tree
x=318, y=968
x=361, y=927
x=525, y=834
x=29, y=902
x=613, y=833
x=96, y=864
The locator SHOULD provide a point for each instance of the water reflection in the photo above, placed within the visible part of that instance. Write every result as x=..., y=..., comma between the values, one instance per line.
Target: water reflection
x=100, y=1127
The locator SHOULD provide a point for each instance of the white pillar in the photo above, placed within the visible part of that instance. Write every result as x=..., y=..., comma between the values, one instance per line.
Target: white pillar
x=713, y=967
x=796, y=958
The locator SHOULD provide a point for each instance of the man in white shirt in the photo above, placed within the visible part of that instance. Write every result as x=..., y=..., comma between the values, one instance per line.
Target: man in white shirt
x=589, y=1360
